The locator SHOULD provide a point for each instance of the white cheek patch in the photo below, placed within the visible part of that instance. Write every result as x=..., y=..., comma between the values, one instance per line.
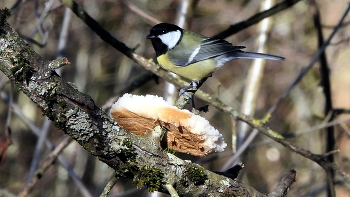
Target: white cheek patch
x=171, y=38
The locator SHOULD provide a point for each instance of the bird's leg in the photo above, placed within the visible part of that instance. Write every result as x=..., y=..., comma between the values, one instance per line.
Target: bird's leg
x=188, y=92
x=191, y=88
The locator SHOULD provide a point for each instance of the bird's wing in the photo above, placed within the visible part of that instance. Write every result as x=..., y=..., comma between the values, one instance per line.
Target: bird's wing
x=211, y=48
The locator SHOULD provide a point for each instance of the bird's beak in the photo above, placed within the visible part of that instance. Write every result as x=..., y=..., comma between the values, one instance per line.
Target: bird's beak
x=150, y=36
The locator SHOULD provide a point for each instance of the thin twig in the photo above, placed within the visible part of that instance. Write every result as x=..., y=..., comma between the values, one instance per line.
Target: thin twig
x=39, y=23
x=283, y=186
x=345, y=128
x=109, y=186
x=256, y=18
x=171, y=190
x=325, y=82
x=62, y=41
x=46, y=165
x=38, y=147
x=9, y=112
x=141, y=12
x=16, y=4
x=104, y=35
x=16, y=110
x=345, y=24
x=308, y=130
x=7, y=193
x=255, y=75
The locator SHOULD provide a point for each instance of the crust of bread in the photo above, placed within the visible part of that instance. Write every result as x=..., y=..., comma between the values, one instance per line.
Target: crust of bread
x=186, y=132
x=178, y=138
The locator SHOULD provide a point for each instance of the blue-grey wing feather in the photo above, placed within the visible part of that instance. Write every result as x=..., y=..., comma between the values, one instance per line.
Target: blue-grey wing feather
x=211, y=48
x=221, y=50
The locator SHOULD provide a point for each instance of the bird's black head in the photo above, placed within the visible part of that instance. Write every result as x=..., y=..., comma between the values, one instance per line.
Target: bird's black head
x=165, y=36
x=161, y=29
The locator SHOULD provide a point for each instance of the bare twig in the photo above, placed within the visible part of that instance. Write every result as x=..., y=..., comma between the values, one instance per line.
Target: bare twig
x=9, y=112
x=141, y=12
x=62, y=41
x=255, y=75
x=16, y=110
x=39, y=23
x=345, y=127
x=325, y=82
x=46, y=165
x=283, y=186
x=345, y=24
x=104, y=35
x=7, y=193
x=17, y=4
x=109, y=186
x=171, y=190
x=256, y=18
x=38, y=147
x=323, y=125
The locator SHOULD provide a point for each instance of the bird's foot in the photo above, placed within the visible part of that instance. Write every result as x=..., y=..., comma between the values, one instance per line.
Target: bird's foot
x=189, y=91
x=191, y=88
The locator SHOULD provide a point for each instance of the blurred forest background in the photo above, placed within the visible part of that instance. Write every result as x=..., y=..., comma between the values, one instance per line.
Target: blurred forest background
x=100, y=71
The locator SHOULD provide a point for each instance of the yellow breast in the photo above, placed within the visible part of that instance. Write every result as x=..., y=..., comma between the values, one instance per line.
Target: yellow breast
x=193, y=72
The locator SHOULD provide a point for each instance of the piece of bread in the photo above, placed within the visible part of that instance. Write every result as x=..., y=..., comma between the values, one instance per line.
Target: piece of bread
x=187, y=132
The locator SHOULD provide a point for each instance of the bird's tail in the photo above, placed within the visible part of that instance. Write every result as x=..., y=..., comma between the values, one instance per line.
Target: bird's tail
x=251, y=55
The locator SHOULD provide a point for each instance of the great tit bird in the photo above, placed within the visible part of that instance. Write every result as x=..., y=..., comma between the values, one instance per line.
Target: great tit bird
x=194, y=56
